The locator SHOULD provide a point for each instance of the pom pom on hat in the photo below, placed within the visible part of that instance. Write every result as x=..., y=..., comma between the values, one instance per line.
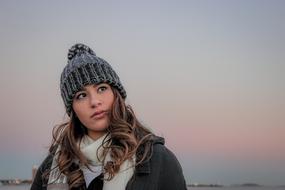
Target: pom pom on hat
x=78, y=49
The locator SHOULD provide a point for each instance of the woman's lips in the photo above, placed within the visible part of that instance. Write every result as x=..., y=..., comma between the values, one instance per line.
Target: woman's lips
x=99, y=115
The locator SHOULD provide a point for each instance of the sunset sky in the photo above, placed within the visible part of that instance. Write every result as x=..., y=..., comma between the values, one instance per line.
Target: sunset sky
x=207, y=75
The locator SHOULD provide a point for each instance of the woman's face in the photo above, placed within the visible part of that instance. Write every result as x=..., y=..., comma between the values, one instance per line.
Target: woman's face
x=92, y=105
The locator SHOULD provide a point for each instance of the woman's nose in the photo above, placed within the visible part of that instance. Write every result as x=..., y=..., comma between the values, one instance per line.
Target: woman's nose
x=95, y=101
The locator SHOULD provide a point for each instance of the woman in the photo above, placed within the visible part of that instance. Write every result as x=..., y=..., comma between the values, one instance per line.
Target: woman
x=103, y=145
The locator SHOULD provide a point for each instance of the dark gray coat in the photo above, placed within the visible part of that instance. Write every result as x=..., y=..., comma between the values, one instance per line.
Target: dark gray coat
x=161, y=172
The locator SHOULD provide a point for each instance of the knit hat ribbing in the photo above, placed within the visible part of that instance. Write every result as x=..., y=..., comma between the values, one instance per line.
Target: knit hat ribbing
x=84, y=68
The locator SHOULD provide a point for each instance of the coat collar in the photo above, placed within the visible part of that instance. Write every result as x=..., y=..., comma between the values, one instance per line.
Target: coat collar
x=144, y=167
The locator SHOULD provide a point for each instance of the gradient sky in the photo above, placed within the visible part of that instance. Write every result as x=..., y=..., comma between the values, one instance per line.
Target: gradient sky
x=206, y=75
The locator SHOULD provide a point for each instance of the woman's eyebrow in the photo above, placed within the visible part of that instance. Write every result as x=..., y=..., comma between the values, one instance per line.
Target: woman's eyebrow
x=84, y=88
x=81, y=89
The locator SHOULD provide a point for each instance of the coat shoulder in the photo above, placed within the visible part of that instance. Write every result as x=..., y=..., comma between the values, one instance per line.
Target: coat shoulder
x=161, y=150
x=171, y=172
x=40, y=180
x=163, y=153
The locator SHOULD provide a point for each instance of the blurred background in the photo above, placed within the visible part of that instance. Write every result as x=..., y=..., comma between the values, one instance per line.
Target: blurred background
x=206, y=75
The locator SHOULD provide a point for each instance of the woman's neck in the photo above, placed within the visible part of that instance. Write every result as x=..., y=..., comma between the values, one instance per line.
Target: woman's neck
x=96, y=135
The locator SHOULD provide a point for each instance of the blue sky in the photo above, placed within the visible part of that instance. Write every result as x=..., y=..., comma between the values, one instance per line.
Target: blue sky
x=206, y=75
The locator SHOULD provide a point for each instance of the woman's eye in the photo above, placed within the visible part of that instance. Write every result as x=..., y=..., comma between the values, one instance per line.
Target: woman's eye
x=80, y=96
x=102, y=88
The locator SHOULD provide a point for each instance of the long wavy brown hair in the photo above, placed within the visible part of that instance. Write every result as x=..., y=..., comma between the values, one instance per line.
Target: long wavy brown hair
x=128, y=137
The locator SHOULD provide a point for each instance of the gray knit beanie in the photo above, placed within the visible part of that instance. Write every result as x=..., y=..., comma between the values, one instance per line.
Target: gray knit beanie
x=83, y=68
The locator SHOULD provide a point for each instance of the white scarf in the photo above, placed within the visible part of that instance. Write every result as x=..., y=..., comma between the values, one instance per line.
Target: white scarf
x=58, y=181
